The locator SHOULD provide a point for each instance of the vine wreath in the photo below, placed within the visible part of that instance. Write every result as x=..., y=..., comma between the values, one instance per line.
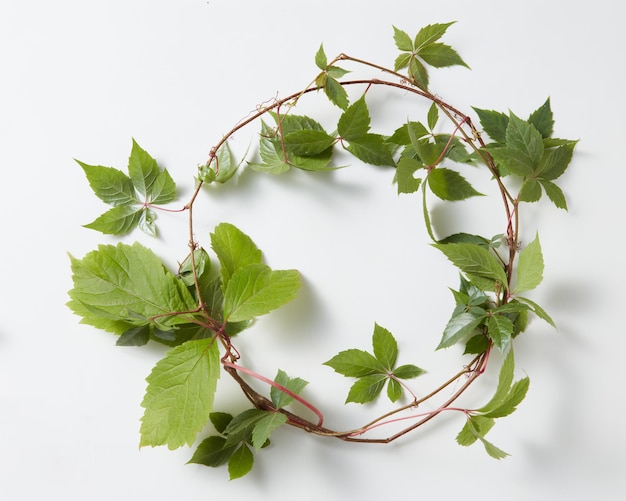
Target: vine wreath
x=199, y=309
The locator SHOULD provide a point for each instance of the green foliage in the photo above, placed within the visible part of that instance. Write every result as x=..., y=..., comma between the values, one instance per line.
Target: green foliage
x=131, y=196
x=197, y=310
x=373, y=371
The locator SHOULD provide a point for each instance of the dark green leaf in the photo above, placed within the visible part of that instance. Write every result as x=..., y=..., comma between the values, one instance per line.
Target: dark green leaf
x=555, y=194
x=460, y=326
x=354, y=123
x=433, y=116
x=467, y=238
x=137, y=336
x=500, y=330
x=372, y=149
x=366, y=388
x=530, y=191
x=555, y=161
x=336, y=93
x=212, y=452
x=240, y=462
x=476, y=344
x=307, y=142
x=429, y=34
x=494, y=124
x=407, y=183
x=542, y=119
x=440, y=55
x=402, y=135
x=220, y=420
x=474, y=260
x=450, y=185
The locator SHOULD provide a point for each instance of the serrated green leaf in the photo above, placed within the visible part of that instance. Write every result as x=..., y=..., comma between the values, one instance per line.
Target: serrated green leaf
x=402, y=135
x=555, y=161
x=241, y=462
x=142, y=169
x=137, y=336
x=394, y=390
x=354, y=122
x=180, y=393
x=279, y=398
x=476, y=345
x=336, y=93
x=555, y=194
x=505, y=380
x=130, y=284
x=500, y=331
x=402, y=61
x=372, y=149
x=366, y=389
x=408, y=371
x=355, y=363
x=336, y=72
x=429, y=34
x=538, y=310
x=530, y=191
x=529, y=267
x=509, y=404
x=110, y=185
x=385, y=347
x=241, y=426
x=474, y=428
x=474, y=260
x=320, y=58
x=212, y=452
x=492, y=450
x=407, y=183
x=119, y=220
x=493, y=123
x=542, y=119
x=147, y=218
x=234, y=250
x=307, y=142
x=163, y=190
x=440, y=55
x=402, y=39
x=460, y=326
x=524, y=148
x=467, y=238
x=450, y=185
x=255, y=290
x=265, y=427
x=418, y=72
x=433, y=116
x=225, y=165
x=274, y=160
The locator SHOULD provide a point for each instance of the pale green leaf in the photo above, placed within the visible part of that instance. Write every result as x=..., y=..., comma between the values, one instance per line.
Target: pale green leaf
x=234, y=250
x=402, y=39
x=538, y=310
x=180, y=393
x=512, y=400
x=429, y=34
x=529, y=267
x=504, y=384
x=295, y=385
x=320, y=58
x=255, y=290
x=440, y=55
x=336, y=93
x=143, y=169
x=492, y=450
x=265, y=427
x=474, y=428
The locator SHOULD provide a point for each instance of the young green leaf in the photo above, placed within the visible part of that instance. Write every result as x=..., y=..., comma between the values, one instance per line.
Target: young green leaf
x=402, y=39
x=537, y=310
x=505, y=380
x=440, y=55
x=475, y=427
x=530, y=267
x=130, y=284
x=110, y=185
x=321, y=60
x=450, y=185
x=118, y=220
x=265, y=427
x=542, y=119
x=429, y=34
x=255, y=290
x=433, y=116
x=295, y=385
x=234, y=250
x=500, y=330
x=509, y=403
x=180, y=392
x=355, y=363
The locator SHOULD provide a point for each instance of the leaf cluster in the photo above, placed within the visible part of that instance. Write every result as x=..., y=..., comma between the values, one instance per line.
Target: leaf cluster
x=374, y=370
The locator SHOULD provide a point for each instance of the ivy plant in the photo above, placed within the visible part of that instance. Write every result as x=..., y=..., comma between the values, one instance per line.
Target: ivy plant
x=224, y=283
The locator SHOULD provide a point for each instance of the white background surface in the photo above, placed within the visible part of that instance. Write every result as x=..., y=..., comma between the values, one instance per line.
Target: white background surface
x=80, y=78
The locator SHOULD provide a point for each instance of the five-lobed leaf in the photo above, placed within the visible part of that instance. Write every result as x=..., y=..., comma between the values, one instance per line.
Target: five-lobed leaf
x=180, y=394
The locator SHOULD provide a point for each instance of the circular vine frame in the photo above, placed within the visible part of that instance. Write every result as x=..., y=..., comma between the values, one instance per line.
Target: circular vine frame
x=504, y=313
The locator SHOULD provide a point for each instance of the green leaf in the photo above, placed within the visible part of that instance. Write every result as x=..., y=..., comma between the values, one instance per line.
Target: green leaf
x=530, y=267
x=372, y=149
x=475, y=427
x=440, y=55
x=429, y=34
x=110, y=185
x=163, y=190
x=137, y=336
x=355, y=363
x=542, y=119
x=336, y=93
x=450, y=185
x=255, y=290
x=476, y=345
x=474, y=260
x=492, y=450
x=514, y=397
x=418, y=73
x=537, y=310
x=234, y=250
x=366, y=388
x=504, y=384
x=265, y=427
x=402, y=39
x=394, y=390
x=408, y=371
x=307, y=142
x=524, y=148
x=461, y=325
x=354, y=122
x=403, y=135
x=220, y=420
x=385, y=347
x=212, y=452
x=530, y=191
x=402, y=61
x=555, y=161
x=500, y=331
x=274, y=160
x=433, y=116
x=336, y=72
x=407, y=183
x=128, y=283
x=143, y=169
x=555, y=194
x=320, y=58
x=119, y=220
x=226, y=166
x=279, y=398
x=180, y=394
x=494, y=124
x=241, y=462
